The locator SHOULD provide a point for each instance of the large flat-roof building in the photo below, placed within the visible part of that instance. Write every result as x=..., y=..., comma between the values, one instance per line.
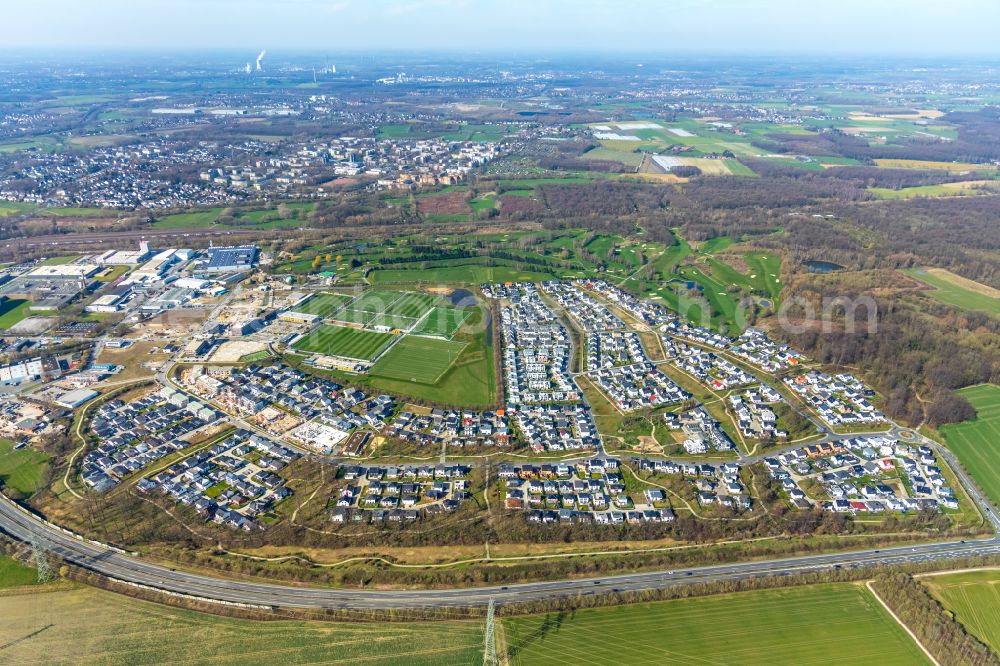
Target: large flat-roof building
x=75, y=398
x=51, y=287
x=231, y=259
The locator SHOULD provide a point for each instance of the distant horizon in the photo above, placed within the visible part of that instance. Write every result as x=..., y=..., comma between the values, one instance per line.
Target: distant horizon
x=737, y=28
x=654, y=57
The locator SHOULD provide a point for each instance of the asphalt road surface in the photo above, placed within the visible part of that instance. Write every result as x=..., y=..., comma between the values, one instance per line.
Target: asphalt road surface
x=22, y=525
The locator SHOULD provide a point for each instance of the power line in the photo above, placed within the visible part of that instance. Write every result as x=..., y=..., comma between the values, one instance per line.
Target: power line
x=40, y=559
x=489, y=637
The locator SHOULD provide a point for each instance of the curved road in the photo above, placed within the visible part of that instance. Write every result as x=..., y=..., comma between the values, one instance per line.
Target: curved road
x=25, y=526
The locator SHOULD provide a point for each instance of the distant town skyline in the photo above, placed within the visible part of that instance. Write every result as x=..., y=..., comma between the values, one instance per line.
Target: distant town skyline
x=836, y=27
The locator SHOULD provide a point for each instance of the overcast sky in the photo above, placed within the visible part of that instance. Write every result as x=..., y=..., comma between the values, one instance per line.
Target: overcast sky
x=905, y=27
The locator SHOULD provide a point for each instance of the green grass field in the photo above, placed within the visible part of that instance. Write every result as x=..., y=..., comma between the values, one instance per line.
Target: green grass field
x=376, y=300
x=823, y=624
x=422, y=360
x=15, y=574
x=89, y=626
x=974, y=598
x=353, y=315
x=255, y=356
x=379, y=307
x=469, y=382
x=347, y=342
x=442, y=321
x=934, y=191
x=194, y=220
x=952, y=292
x=21, y=469
x=411, y=305
x=977, y=442
x=13, y=310
x=469, y=274
x=323, y=304
x=393, y=321
x=14, y=207
x=60, y=260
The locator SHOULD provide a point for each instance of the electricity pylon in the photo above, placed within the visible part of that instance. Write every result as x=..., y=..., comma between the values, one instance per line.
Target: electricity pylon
x=489, y=637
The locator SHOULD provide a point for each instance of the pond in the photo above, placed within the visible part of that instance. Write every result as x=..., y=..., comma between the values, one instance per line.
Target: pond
x=462, y=298
x=818, y=266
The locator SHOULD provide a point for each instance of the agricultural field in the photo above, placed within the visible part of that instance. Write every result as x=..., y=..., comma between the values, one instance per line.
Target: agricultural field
x=603, y=154
x=90, y=626
x=322, y=304
x=415, y=359
x=958, y=291
x=976, y=443
x=22, y=470
x=654, y=136
x=962, y=188
x=974, y=598
x=346, y=342
x=822, y=624
x=927, y=164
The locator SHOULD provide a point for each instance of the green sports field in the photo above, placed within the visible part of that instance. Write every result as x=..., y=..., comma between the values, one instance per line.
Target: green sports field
x=977, y=442
x=322, y=304
x=352, y=315
x=822, y=624
x=393, y=321
x=422, y=360
x=346, y=342
x=376, y=301
x=974, y=598
x=370, y=305
x=443, y=322
x=90, y=626
x=411, y=305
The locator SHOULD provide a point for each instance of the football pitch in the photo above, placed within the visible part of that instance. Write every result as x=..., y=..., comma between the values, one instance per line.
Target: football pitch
x=421, y=360
x=821, y=624
x=392, y=321
x=411, y=305
x=379, y=307
x=977, y=442
x=443, y=322
x=322, y=305
x=401, y=310
x=346, y=342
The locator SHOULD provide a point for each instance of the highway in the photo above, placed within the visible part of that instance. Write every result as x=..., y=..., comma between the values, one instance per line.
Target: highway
x=25, y=526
